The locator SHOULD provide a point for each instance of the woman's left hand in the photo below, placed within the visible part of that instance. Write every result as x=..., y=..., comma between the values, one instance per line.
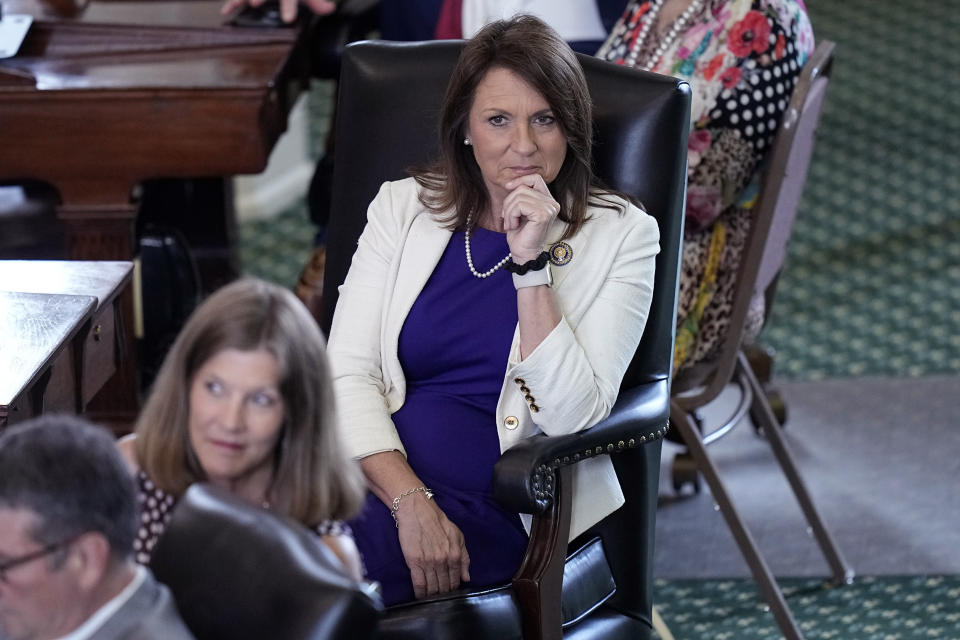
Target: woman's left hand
x=527, y=212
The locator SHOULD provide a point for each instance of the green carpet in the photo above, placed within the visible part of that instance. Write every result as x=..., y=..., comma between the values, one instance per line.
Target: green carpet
x=888, y=608
x=872, y=280
x=276, y=249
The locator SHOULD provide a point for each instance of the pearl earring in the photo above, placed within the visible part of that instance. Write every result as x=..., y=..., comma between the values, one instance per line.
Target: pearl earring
x=466, y=141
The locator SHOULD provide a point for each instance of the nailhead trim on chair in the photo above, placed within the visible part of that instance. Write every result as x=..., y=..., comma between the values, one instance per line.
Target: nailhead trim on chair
x=543, y=477
x=543, y=485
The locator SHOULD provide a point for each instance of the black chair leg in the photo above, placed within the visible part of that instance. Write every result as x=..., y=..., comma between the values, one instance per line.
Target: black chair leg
x=748, y=547
x=842, y=572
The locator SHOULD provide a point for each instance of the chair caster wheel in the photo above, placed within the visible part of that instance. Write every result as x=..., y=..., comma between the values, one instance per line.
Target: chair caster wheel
x=683, y=472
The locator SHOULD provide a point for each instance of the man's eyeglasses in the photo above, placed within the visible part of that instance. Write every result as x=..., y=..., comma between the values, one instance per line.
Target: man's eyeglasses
x=13, y=563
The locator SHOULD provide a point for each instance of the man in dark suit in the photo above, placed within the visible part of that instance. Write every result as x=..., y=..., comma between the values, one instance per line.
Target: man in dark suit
x=68, y=517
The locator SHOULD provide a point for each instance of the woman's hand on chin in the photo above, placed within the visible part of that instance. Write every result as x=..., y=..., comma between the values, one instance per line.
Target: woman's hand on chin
x=433, y=548
x=527, y=212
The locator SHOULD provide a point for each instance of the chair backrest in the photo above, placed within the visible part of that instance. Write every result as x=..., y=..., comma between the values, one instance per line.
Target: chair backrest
x=237, y=572
x=390, y=95
x=782, y=185
x=786, y=172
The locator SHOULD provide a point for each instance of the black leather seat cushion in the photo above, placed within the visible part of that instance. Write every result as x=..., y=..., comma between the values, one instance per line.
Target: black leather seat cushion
x=587, y=584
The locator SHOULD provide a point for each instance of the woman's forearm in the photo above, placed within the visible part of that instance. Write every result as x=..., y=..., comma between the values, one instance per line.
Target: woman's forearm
x=388, y=475
x=538, y=314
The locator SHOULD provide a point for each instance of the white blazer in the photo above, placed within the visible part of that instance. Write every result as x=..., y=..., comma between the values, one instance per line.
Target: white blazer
x=604, y=295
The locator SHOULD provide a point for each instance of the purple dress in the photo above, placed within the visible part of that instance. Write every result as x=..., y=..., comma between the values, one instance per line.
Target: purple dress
x=453, y=348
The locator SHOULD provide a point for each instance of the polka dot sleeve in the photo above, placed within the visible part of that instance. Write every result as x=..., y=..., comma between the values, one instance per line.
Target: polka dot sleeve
x=156, y=507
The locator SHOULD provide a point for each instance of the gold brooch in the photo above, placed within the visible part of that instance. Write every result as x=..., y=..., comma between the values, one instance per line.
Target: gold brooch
x=561, y=254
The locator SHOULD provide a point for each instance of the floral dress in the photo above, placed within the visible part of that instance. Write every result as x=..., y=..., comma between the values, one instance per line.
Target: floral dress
x=742, y=59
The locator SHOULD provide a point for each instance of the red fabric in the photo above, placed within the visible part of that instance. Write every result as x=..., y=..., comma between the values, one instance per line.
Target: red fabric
x=449, y=22
x=749, y=35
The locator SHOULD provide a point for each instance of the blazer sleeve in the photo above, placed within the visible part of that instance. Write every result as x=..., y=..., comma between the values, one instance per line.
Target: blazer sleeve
x=354, y=345
x=575, y=373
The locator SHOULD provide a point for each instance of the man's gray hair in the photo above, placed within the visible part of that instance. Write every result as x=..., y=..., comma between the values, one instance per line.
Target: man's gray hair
x=69, y=473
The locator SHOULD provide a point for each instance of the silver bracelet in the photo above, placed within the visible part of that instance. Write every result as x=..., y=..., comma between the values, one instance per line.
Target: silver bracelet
x=396, y=501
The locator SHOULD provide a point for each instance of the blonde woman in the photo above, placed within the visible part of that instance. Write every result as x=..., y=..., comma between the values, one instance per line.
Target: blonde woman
x=243, y=401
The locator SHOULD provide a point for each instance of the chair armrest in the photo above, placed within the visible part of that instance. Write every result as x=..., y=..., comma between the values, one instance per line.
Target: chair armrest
x=523, y=478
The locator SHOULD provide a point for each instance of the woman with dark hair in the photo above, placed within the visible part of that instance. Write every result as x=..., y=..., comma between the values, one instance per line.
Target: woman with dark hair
x=499, y=293
x=243, y=400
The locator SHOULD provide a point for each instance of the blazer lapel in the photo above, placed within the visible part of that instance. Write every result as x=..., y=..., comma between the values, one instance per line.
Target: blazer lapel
x=425, y=244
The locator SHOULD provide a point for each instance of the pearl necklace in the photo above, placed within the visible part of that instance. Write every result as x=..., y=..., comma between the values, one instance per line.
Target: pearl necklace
x=649, y=19
x=466, y=244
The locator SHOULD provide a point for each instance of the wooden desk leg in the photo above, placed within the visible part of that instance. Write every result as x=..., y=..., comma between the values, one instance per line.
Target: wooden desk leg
x=99, y=232
x=105, y=232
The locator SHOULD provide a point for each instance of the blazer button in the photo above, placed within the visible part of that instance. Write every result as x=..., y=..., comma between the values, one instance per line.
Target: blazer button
x=511, y=422
x=520, y=381
x=534, y=408
x=529, y=398
x=524, y=389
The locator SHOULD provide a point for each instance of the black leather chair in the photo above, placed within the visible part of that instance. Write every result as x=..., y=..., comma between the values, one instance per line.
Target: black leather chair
x=389, y=99
x=241, y=573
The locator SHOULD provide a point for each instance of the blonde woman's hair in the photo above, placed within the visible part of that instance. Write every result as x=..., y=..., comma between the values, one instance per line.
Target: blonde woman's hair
x=313, y=479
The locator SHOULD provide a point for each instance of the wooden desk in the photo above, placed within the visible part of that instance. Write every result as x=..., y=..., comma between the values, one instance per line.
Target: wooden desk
x=107, y=93
x=39, y=368
x=88, y=361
